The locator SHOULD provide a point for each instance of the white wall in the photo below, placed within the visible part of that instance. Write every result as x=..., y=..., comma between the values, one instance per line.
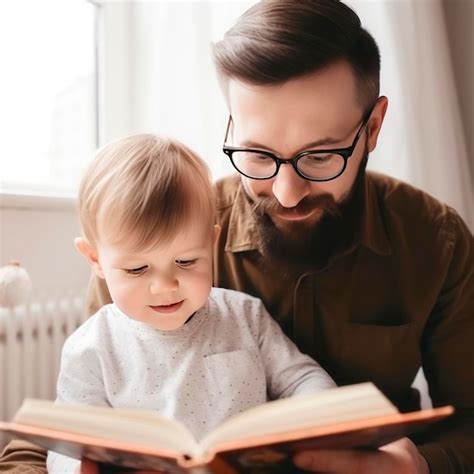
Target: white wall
x=39, y=232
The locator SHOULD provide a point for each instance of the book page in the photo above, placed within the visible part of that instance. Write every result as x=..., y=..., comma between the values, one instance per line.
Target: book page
x=337, y=405
x=137, y=426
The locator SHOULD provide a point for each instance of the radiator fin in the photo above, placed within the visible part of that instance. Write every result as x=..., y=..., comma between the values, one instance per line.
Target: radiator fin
x=31, y=339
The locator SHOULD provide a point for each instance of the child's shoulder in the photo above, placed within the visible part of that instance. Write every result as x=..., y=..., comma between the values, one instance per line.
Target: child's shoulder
x=235, y=305
x=95, y=327
x=92, y=342
x=233, y=297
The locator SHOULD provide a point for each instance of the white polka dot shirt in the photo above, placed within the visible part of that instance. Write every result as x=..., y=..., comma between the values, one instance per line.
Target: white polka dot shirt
x=230, y=356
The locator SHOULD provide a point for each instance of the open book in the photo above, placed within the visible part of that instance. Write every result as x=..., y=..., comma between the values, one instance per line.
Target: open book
x=265, y=437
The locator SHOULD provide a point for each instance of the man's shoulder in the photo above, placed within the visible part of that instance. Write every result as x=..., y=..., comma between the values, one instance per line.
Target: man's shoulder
x=394, y=190
x=411, y=207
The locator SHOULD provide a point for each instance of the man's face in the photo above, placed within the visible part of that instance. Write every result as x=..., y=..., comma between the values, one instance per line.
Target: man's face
x=318, y=111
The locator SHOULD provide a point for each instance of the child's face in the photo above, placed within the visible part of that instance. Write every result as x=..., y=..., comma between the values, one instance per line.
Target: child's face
x=162, y=287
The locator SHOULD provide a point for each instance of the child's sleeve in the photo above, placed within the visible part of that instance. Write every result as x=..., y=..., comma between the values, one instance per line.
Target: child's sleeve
x=57, y=463
x=288, y=371
x=81, y=381
x=81, y=378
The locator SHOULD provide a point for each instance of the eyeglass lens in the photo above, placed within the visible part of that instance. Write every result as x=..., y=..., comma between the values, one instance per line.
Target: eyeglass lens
x=312, y=165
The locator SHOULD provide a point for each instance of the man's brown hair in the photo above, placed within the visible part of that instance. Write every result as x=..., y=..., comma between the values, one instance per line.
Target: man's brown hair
x=278, y=40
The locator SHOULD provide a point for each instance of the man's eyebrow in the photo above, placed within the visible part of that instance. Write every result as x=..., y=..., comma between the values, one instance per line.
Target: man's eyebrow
x=324, y=141
x=327, y=142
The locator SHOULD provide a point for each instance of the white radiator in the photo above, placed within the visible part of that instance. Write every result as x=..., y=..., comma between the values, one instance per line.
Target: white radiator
x=31, y=338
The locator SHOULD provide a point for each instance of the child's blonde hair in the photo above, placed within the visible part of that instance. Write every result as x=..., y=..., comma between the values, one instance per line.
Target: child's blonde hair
x=145, y=188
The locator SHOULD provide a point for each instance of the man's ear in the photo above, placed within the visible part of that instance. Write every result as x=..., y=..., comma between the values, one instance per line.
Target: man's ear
x=375, y=123
x=217, y=231
x=90, y=254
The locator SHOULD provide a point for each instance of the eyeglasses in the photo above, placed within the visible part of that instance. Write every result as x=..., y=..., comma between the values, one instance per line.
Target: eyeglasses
x=314, y=165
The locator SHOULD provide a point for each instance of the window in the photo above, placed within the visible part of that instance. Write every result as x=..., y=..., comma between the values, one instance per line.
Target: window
x=48, y=116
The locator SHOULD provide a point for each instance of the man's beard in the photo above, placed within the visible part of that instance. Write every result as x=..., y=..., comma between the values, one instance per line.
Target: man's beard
x=296, y=245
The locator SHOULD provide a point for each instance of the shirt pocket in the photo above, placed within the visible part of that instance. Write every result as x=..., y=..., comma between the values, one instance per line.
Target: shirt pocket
x=239, y=379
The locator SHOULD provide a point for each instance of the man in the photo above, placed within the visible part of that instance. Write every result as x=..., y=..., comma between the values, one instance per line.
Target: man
x=370, y=276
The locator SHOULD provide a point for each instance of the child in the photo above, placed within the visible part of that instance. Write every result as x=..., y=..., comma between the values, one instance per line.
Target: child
x=169, y=342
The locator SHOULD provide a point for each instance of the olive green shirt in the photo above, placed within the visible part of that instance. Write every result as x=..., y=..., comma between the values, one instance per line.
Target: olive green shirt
x=398, y=296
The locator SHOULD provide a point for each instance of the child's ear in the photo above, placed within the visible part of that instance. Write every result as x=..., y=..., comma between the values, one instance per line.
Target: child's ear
x=90, y=254
x=217, y=231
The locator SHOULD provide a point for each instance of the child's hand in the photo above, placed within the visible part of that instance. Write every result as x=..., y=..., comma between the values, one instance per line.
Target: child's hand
x=88, y=467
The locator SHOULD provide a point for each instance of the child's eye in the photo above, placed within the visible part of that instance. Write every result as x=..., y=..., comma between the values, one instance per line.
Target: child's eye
x=136, y=271
x=186, y=263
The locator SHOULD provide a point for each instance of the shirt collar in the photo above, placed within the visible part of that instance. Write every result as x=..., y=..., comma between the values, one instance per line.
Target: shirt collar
x=242, y=236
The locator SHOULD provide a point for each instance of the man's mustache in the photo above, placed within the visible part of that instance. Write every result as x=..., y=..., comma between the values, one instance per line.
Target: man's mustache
x=270, y=205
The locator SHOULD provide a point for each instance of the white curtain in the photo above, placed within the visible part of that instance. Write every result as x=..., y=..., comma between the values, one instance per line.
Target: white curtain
x=167, y=81
x=172, y=88
x=422, y=141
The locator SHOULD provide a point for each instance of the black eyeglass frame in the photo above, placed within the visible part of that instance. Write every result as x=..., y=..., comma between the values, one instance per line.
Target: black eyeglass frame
x=345, y=153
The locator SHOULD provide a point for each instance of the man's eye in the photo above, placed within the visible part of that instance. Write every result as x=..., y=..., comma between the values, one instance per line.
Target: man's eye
x=258, y=157
x=186, y=263
x=319, y=158
x=136, y=271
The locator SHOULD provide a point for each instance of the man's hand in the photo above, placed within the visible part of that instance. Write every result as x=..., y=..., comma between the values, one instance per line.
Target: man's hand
x=400, y=457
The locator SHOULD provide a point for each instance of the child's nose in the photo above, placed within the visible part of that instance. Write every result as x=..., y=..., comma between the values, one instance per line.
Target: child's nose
x=163, y=283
